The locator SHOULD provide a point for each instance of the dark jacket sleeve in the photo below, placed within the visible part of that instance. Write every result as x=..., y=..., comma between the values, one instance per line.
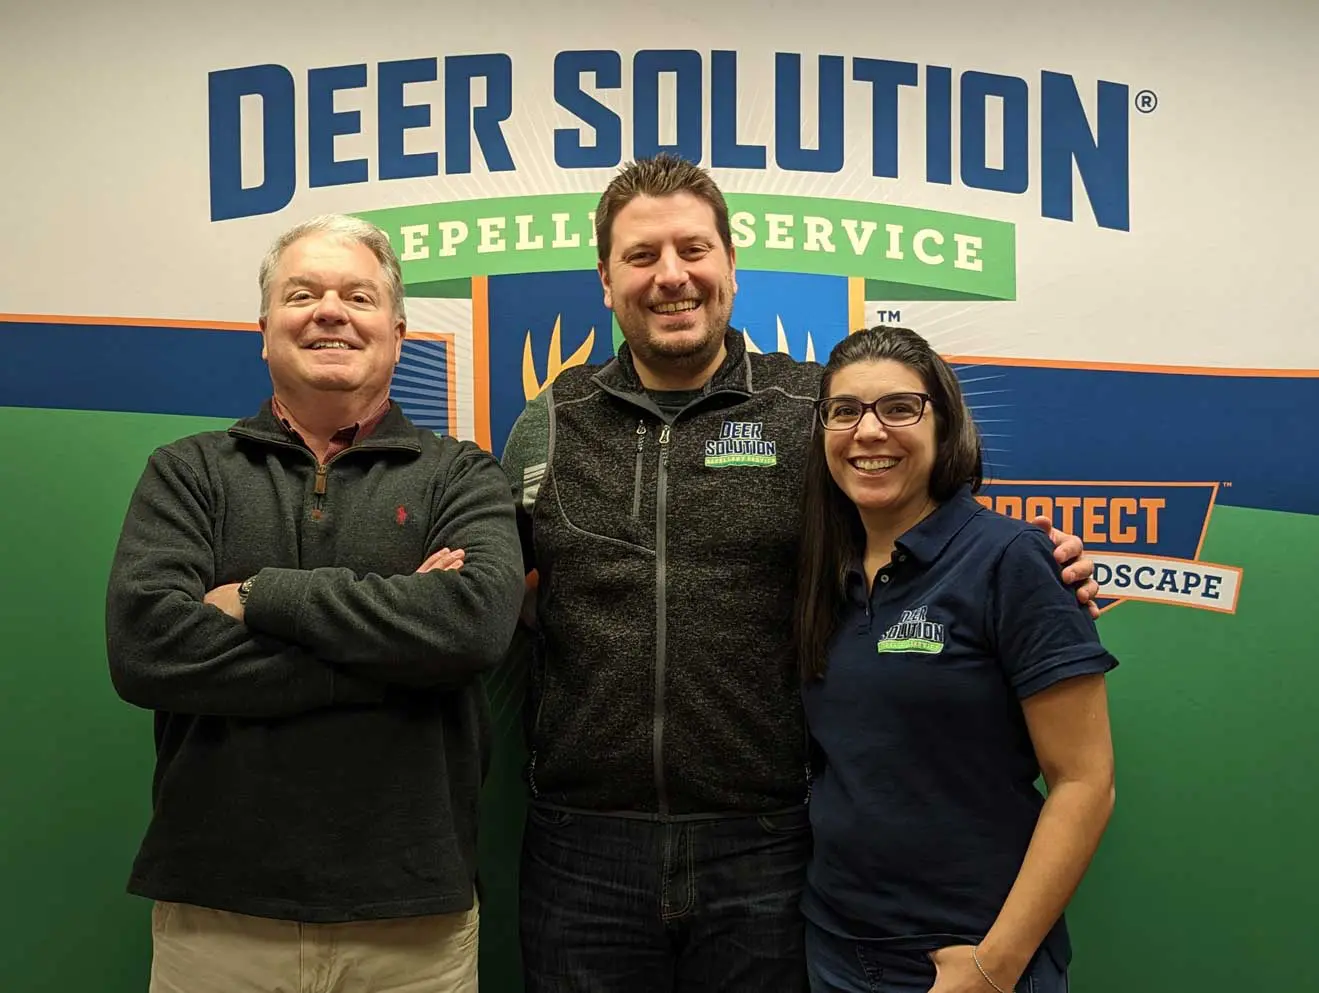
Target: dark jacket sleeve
x=439, y=628
x=167, y=649
x=525, y=461
x=514, y=687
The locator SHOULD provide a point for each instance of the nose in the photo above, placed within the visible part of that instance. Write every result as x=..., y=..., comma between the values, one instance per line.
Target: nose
x=330, y=309
x=870, y=427
x=670, y=269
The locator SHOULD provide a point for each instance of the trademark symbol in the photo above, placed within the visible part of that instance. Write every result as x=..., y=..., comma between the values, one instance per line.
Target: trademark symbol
x=1147, y=101
x=1226, y=486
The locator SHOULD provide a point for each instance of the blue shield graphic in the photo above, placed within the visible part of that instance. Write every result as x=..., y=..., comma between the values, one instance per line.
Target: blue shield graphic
x=540, y=323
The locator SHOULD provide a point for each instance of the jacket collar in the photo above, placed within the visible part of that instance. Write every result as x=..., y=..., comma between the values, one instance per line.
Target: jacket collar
x=394, y=431
x=619, y=375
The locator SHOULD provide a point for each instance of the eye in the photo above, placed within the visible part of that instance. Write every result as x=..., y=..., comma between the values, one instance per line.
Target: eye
x=695, y=251
x=362, y=298
x=298, y=296
x=901, y=408
x=842, y=410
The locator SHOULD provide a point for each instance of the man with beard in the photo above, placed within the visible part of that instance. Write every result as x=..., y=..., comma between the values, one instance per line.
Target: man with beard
x=667, y=836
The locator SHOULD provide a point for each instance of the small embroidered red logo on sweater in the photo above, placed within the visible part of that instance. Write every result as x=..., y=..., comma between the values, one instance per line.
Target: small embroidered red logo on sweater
x=401, y=515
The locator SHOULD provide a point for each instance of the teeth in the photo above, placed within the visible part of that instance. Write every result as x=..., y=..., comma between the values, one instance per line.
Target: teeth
x=874, y=464
x=331, y=344
x=677, y=307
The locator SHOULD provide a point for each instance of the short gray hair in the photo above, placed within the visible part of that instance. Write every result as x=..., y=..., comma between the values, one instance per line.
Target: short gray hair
x=349, y=228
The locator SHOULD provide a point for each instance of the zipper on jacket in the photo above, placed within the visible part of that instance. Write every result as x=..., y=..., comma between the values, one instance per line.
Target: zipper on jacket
x=636, y=486
x=322, y=472
x=322, y=478
x=322, y=468
x=661, y=649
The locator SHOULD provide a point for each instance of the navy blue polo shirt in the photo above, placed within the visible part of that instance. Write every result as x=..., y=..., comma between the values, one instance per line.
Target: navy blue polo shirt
x=927, y=801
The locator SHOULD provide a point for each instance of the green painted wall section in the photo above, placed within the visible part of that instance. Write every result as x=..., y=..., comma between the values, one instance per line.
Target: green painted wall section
x=1207, y=879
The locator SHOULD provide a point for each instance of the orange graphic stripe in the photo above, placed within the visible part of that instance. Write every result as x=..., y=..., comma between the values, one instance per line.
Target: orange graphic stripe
x=1169, y=603
x=128, y=322
x=480, y=305
x=1087, y=482
x=445, y=337
x=1204, y=528
x=1175, y=559
x=481, y=358
x=170, y=322
x=856, y=303
x=1176, y=370
x=451, y=364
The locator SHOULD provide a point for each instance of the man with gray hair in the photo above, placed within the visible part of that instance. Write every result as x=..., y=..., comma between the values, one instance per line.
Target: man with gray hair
x=284, y=598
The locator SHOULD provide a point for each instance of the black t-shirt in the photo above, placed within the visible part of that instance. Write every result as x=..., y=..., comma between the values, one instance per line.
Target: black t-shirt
x=671, y=402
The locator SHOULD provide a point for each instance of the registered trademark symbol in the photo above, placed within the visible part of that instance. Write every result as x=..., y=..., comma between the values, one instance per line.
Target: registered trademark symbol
x=1147, y=101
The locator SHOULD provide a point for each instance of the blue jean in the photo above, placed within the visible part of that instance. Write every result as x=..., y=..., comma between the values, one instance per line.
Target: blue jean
x=839, y=965
x=622, y=905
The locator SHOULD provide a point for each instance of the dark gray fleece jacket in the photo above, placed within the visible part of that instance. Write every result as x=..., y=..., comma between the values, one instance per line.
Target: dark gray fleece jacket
x=321, y=761
x=664, y=682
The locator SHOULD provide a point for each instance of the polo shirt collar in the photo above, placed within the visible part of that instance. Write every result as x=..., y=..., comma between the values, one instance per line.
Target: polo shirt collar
x=927, y=540
x=924, y=542
x=346, y=435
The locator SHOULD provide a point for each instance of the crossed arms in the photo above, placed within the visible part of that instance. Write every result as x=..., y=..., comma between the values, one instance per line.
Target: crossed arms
x=307, y=638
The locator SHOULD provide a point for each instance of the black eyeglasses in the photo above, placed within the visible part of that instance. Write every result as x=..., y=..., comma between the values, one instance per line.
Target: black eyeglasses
x=894, y=410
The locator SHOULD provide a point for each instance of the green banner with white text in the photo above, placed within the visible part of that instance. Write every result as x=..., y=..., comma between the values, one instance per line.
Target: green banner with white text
x=972, y=257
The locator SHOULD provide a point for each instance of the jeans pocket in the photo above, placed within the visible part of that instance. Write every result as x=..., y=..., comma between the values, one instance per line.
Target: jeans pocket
x=785, y=822
x=549, y=817
x=871, y=968
x=1043, y=975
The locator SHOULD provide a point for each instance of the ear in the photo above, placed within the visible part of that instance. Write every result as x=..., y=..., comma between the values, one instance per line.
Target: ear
x=261, y=323
x=401, y=329
x=603, y=269
x=732, y=266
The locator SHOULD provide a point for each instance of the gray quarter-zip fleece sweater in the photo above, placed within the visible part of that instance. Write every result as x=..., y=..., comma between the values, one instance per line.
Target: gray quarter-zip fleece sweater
x=320, y=761
x=664, y=682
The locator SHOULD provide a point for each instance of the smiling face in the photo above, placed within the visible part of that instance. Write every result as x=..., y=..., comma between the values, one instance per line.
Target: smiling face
x=670, y=281
x=881, y=469
x=331, y=324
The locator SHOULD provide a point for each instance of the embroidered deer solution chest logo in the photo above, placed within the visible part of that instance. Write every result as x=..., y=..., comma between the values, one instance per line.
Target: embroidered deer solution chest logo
x=740, y=443
x=913, y=633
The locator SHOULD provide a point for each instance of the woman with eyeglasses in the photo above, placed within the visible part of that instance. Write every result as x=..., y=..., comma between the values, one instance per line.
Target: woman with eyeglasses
x=946, y=668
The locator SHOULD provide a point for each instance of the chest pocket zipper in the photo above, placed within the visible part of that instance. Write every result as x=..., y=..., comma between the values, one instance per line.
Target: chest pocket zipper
x=636, y=485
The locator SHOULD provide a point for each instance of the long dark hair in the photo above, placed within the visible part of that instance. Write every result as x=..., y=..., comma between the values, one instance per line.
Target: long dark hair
x=832, y=535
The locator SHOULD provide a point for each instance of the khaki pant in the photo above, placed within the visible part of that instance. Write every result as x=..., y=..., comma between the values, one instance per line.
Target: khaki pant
x=198, y=950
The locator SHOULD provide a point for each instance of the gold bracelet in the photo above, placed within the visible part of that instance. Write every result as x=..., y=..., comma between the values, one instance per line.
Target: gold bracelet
x=975, y=957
